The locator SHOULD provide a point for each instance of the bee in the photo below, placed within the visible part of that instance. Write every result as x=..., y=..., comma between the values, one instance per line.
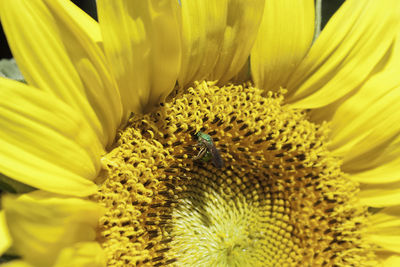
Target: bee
x=208, y=150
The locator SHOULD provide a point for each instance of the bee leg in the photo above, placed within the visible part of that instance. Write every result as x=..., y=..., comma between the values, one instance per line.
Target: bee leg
x=201, y=153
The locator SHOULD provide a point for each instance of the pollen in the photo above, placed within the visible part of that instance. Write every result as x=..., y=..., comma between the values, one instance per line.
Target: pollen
x=279, y=200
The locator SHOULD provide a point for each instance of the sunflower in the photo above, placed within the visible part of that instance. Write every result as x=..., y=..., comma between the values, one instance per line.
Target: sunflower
x=148, y=144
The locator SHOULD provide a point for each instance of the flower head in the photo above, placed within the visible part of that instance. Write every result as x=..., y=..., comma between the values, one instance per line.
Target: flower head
x=107, y=129
x=163, y=206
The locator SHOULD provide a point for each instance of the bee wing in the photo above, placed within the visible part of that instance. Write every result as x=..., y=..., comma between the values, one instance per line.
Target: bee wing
x=216, y=156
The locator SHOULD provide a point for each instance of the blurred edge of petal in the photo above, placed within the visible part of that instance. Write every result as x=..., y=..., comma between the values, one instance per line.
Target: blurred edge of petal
x=43, y=224
x=380, y=195
x=5, y=238
x=350, y=47
x=284, y=38
x=83, y=254
x=45, y=143
x=56, y=54
x=392, y=261
x=384, y=229
x=142, y=43
x=16, y=263
x=385, y=169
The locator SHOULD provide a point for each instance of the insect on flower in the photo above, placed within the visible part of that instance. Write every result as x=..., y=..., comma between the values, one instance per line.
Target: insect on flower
x=208, y=150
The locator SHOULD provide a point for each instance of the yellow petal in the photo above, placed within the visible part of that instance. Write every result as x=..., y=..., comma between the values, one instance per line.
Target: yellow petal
x=380, y=195
x=365, y=132
x=86, y=23
x=349, y=48
x=242, y=24
x=365, y=128
x=362, y=106
x=203, y=27
x=384, y=229
x=217, y=37
x=44, y=143
x=84, y=254
x=5, y=238
x=383, y=173
x=142, y=43
x=285, y=35
x=364, y=138
x=371, y=108
x=89, y=60
x=57, y=54
x=43, y=224
x=393, y=261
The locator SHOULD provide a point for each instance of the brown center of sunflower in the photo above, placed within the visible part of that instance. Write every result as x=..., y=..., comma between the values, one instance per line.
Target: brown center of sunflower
x=279, y=199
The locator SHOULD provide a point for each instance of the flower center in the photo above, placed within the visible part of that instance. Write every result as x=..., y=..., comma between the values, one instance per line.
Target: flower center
x=278, y=198
x=223, y=219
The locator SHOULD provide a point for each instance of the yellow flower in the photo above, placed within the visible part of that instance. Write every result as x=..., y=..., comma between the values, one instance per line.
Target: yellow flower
x=106, y=129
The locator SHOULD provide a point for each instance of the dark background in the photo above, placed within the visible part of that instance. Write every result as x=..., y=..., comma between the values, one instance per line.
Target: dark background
x=328, y=8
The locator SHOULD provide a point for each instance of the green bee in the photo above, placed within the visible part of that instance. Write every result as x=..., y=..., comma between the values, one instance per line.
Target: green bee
x=208, y=150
